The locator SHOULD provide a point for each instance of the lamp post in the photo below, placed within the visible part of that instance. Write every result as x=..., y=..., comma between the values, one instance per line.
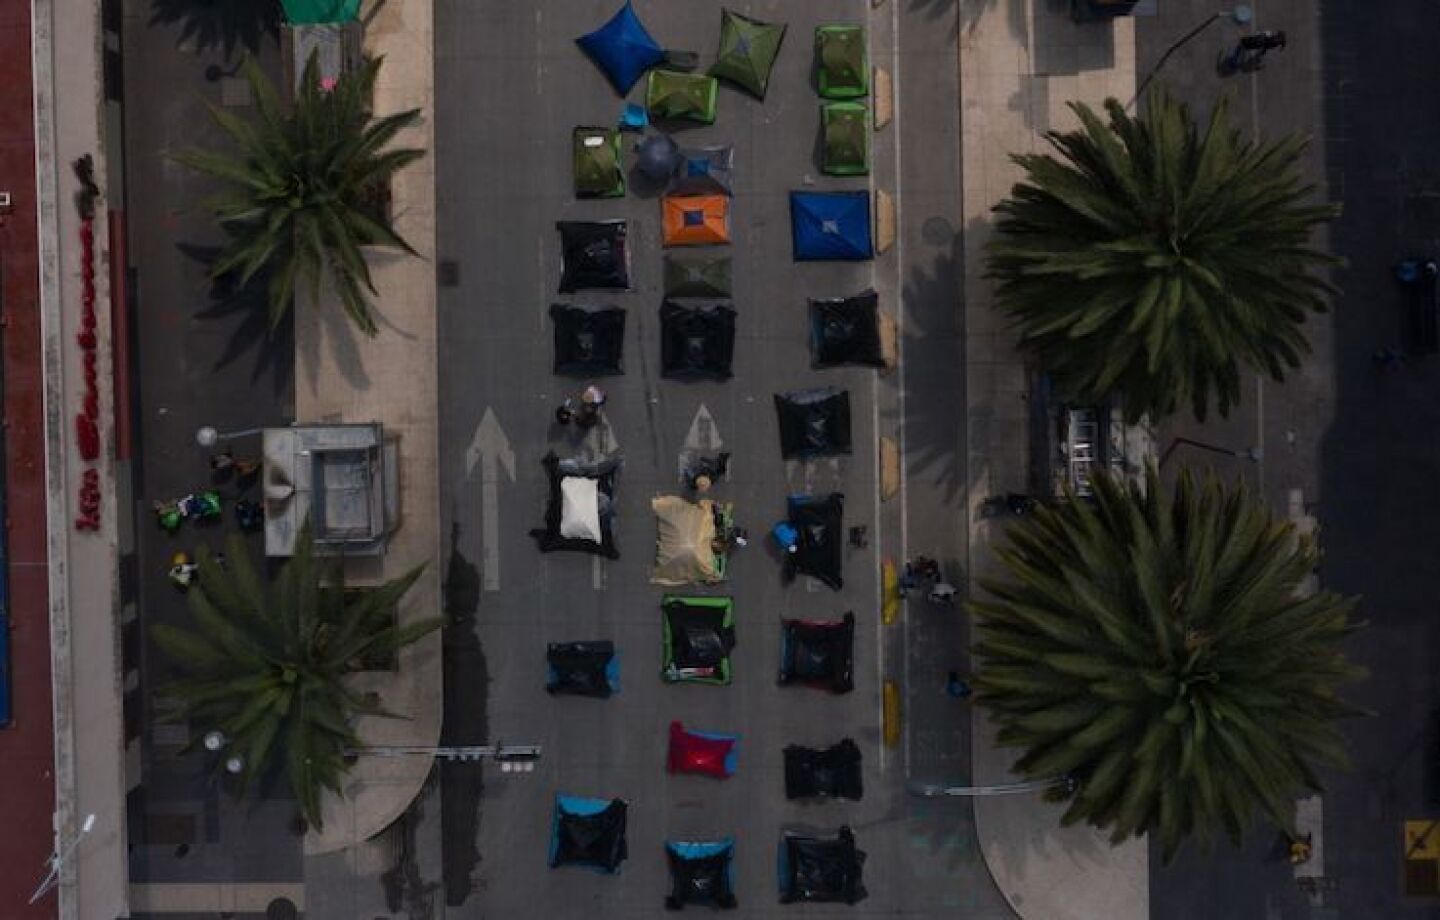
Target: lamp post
x=1253, y=454
x=513, y=758
x=1241, y=15
x=56, y=862
x=936, y=790
x=207, y=436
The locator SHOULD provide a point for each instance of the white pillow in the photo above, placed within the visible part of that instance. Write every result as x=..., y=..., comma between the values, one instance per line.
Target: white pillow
x=580, y=509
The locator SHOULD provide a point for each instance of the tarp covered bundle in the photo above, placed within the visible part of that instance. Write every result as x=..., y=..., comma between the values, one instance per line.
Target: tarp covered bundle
x=845, y=150
x=685, y=542
x=813, y=423
x=580, y=514
x=696, y=342
x=842, y=68
x=320, y=12
x=589, y=341
x=705, y=753
x=599, y=171
x=589, y=833
x=833, y=772
x=582, y=668
x=819, y=653
x=622, y=48
x=748, y=48
x=699, y=633
x=594, y=256
x=674, y=96
x=830, y=226
x=705, y=171
x=697, y=274
x=846, y=330
x=695, y=220
x=701, y=873
x=818, y=525
x=821, y=868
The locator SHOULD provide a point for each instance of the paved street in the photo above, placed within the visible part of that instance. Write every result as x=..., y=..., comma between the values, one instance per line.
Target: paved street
x=518, y=86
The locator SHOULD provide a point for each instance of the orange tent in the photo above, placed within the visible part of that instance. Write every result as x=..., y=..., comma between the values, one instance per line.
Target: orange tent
x=696, y=220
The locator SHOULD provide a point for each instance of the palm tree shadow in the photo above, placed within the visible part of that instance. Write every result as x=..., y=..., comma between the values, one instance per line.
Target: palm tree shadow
x=219, y=24
x=955, y=12
x=246, y=312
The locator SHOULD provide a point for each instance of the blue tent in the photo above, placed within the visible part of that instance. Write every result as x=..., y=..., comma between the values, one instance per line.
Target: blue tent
x=830, y=226
x=622, y=48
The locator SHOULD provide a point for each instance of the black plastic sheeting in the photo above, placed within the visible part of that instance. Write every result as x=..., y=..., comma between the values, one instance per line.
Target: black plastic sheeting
x=589, y=341
x=603, y=471
x=832, y=772
x=813, y=423
x=821, y=869
x=597, y=840
x=594, y=256
x=820, y=525
x=846, y=330
x=696, y=342
x=700, y=880
x=698, y=636
x=580, y=668
x=820, y=654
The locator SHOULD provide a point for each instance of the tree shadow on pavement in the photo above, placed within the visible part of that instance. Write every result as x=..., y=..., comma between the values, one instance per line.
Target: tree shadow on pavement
x=219, y=24
x=952, y=11
x=244, y=311
x=466, y=678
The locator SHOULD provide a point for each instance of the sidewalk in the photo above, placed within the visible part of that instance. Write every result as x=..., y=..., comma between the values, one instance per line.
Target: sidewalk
x=343, y=376
x=1021, y=61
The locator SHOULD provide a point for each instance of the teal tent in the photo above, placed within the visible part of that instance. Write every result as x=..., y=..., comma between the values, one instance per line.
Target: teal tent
x=320, y=12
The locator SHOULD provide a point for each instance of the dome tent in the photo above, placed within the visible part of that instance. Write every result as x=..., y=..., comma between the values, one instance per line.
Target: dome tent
x=748, y=48
x=622, y=49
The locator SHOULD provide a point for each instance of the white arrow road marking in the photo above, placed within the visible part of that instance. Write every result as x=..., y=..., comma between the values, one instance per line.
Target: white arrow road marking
x=491, y=449
x=702, y=438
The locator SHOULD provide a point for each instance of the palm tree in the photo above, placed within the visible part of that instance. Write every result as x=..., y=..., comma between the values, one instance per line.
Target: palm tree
x=266, y=664
x=302, y=187
x=1151, y=260
x=1156, y=652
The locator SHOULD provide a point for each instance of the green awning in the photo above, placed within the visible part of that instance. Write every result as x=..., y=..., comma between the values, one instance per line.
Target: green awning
x=677, y=96
x=748, y=48
x=598, y=170
x=316, y=12
x=846, y=126
x=844, y=71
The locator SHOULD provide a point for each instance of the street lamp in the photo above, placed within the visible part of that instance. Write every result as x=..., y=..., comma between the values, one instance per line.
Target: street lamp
x=935, y=790
x=1241, y=15
x=1253, y=454
x=56, y=862
x=207, y=436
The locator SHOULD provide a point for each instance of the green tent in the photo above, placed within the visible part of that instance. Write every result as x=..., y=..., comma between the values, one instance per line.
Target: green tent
x=846, y=126
x=598, y=170
x=700, y=274
x=320, y=12
x=677, y=96
x=840, y=55
x=748, y=48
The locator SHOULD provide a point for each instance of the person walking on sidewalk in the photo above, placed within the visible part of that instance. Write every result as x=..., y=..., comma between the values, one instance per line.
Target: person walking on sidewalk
x=956, y=686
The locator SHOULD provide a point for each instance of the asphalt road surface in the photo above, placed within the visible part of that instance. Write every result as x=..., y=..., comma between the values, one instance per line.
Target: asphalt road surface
x=511, y=86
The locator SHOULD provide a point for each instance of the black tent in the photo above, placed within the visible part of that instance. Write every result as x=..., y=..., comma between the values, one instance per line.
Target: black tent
x=820, y=653
x=700, y=873
x=813, y=423
x=697, y=274
x=562, y=511
x=821, y=868
x=699, y=635
x=588, y=832
x=846, y=330
x=588, y=340
x=582, y=668
x=819, y=524
x=832, y=772
x=695, y=341
x=593, y=256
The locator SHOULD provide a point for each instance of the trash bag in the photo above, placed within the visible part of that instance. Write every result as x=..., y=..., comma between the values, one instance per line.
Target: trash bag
x=701, y=873
x=589, y=341
x=594, y=256
x=696, y=342
x=582, y=668
x=819, y=653
x=551, y=538
x=813, y=423
x=846, y=330
x=832, y=772
x=824, y=869
x=819, y=545
x=589, y=833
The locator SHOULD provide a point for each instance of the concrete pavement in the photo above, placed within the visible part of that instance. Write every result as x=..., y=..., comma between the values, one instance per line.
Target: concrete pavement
x=1021, y=62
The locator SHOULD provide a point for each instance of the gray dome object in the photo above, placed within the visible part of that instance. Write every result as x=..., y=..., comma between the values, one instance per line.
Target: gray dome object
x=658, y=157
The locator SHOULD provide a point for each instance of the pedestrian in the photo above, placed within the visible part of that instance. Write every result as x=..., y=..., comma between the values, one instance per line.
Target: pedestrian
x=943, y=593
x=182, y=571
x=1300, y=849
x=249, y=515
x=711, y=470
x=956, y=687
x=222, y=461
x=168, y=515
x=590, y=402
x=565, y=412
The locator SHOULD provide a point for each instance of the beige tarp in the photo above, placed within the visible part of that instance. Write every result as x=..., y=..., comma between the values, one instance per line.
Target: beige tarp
x=684, y=543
